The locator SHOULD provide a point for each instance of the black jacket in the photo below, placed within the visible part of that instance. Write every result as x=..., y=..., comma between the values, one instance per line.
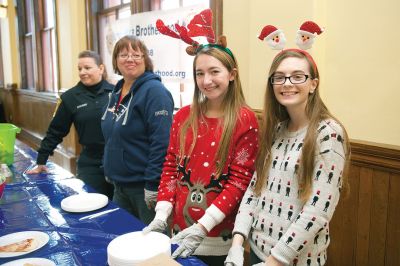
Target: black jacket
x=82, y=106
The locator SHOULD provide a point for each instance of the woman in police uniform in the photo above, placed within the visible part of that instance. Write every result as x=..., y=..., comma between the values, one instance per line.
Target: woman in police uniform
x=81, y=105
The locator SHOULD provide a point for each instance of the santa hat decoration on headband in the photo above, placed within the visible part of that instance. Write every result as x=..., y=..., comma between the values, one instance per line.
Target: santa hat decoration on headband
x=200, y=25
x=306, y=34
x=273, y=36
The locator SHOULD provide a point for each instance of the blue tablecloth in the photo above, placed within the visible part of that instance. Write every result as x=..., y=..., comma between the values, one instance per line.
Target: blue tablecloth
x=32, y=202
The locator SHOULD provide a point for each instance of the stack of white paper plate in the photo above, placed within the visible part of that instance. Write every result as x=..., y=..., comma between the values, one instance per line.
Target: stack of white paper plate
x=84, y=202
x=132, y=248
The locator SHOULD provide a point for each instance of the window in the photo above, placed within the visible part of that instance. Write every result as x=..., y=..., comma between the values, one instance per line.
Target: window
x=37, y=31
x=2, y=85
x=48, y=39
x=109, y=11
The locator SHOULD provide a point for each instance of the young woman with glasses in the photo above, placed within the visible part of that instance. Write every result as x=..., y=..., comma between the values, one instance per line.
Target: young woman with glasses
x=300, y=171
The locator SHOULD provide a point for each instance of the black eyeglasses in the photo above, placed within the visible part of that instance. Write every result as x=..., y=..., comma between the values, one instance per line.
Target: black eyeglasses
x=294, y=79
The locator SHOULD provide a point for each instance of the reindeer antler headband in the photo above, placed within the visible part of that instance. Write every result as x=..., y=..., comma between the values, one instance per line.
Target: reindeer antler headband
x=304, y=38
x=200, y=25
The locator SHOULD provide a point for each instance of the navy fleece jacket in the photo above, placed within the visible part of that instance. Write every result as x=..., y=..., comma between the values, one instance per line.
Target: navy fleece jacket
x=137, y=132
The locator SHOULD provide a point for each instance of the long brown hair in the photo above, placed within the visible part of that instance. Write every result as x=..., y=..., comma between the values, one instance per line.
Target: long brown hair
x=274, y=113
x=233, y=101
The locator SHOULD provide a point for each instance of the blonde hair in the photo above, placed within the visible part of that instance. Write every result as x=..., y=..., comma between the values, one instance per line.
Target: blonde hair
x=274, y=113
x=233, y=101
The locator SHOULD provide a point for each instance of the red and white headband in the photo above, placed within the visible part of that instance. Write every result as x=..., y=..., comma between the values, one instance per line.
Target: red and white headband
x=306, y=34
x=275, y=37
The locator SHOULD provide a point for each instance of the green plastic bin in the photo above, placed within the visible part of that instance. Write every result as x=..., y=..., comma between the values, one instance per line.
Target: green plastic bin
x=7, y=141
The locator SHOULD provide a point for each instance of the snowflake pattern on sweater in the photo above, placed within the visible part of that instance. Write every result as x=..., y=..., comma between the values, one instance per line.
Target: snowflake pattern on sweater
x=278, y=222
x=191, y=187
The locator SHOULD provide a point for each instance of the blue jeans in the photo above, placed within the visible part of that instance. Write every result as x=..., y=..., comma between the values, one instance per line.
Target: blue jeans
x=131, y=198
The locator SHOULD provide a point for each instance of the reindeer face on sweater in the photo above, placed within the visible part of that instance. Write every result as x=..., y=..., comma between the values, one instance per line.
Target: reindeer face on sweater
x=197, y=192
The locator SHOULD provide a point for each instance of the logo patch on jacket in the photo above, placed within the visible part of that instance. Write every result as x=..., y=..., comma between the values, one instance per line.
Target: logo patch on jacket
x=81, y=105
x=161, y=112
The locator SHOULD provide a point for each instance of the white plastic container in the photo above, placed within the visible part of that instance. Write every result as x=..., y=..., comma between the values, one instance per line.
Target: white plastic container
x=133, y=248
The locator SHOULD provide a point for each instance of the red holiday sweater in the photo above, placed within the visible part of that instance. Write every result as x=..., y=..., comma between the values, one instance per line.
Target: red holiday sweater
x=190, y=188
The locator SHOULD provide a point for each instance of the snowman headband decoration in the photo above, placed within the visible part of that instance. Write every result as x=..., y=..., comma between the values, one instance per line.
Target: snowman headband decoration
x=304, y=38
x=199, y=26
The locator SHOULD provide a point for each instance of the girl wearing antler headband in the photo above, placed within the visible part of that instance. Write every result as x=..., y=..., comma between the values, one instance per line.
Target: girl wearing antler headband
x=204, y=177
x=210, y=160
x=300, y=171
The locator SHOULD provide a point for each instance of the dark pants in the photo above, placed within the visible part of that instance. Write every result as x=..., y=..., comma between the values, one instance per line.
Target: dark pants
x=90, y=170
x=212, y=260
x=253, y=258
x=131, y=198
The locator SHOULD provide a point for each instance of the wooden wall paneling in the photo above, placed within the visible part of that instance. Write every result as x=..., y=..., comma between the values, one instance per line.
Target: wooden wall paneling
x=32, y=112
x=3, y=99
x=376, y=156
x=15, y=110
x=364, y=215
x=344, y=224
x=336, y=236
x=37, y=114
x=350, y=219
x=10, y=102
x=392, y=256
x=379, y=211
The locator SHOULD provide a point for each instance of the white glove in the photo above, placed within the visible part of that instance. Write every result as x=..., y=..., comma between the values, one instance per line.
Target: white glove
x=156, y=225
x=235, y=256
x=188, y=241
x=260, y=264
x=150, y=197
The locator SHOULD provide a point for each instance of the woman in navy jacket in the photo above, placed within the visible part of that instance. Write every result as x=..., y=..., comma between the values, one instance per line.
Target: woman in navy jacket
x=136, y=124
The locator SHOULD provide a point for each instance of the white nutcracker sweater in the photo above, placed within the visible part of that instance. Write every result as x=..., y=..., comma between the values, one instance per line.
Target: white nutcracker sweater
x=190, y=189
x=278, y=222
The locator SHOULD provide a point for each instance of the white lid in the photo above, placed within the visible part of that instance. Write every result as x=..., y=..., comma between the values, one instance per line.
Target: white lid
x=136, y=247
x=84, y=202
